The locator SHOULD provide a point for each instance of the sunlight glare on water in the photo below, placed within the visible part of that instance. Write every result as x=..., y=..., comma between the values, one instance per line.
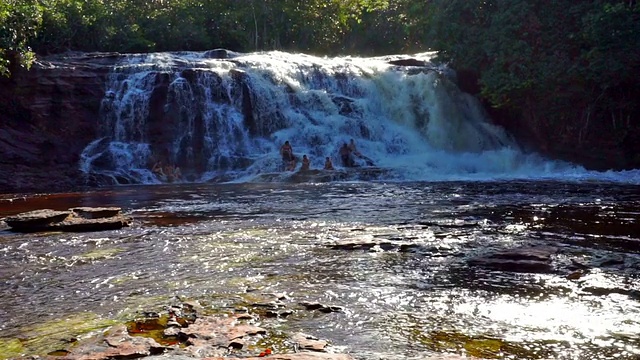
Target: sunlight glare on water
x=397, y=258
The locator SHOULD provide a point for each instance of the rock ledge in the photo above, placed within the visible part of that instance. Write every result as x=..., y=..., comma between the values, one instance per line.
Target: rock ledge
x=79, y=219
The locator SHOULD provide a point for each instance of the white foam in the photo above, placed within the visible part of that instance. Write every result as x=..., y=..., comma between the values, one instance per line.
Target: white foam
x=412, y=121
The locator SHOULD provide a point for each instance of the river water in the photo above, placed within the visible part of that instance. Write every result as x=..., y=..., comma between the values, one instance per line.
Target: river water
x=394, y=255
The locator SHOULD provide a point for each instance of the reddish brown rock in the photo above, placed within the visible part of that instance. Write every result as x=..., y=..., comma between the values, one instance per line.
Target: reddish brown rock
x=49, y=115
x=115, y=344
x=220, y=331
x=300, y=356
x=309, y=342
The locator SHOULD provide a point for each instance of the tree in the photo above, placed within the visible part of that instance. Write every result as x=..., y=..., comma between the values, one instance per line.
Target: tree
x=19, y=22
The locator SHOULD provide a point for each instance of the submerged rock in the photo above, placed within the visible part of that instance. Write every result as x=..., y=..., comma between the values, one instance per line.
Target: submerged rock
x=321, y=307
x=363, y=173
x=523, y=259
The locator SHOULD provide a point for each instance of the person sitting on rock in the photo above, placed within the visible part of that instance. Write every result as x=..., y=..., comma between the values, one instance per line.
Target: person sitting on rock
x=345, y=155
x=286, y=151
x=177, y=174
x=169, y=173
x=328, y=165
x=305, y=163
x=157, y=168
x=289, y=160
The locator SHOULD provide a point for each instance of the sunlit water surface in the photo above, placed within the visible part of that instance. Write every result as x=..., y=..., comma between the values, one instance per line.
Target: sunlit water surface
x=413, y=296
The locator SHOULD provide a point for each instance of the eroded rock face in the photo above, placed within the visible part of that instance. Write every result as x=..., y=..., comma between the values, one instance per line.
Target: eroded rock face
x=47, y=117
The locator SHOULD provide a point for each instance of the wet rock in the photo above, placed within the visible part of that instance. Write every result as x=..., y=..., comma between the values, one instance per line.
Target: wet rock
x=115, y=344
x=612, y=261
x=575, y=275
x=317, y=175
x=377, y=243
x=272, y=305
x=74, y=224
x=73, y=220
x=219, y=331
x=171, y=331
x=365, y=242
x=309, y=342
x=524, y=259
x=203, y=348
x=297, y=356
x=37, y=220
x=218, y=54
x=278, y=314
x=408, y=62
x=576, y=264
x=96, y=212
x=320, y=307
x=173, y=322
x=598, y=291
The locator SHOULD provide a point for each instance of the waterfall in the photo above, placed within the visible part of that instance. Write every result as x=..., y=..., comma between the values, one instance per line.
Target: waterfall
x=222, y=116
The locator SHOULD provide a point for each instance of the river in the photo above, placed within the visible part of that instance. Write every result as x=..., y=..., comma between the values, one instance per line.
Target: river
x=395, y=255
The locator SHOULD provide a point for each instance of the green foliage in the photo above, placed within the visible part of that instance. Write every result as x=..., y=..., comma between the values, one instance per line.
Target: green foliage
x=519, y=49
x=523, y=50
x=19, y=20
x=612, y=35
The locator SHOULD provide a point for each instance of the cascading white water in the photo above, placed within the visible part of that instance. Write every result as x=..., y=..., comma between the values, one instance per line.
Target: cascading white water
x=225, y=118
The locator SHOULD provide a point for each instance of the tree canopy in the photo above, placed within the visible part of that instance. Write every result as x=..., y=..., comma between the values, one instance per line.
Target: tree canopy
x=520, y=50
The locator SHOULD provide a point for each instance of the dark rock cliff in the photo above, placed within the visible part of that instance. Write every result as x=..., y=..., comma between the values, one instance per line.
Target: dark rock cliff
x=563, y=127
x=47, y=116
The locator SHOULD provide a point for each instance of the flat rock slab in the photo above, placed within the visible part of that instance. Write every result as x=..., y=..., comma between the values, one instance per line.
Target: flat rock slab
x=75, y=224
x=96, y=212
x=114, y=344
x=73, y=220
x=220, y=331
x=299, y=356
x=37, y=220
x=309, y=342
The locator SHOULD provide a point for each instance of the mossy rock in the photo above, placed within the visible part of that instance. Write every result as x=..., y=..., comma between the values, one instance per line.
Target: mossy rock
x=58, y=334
x=10, y=348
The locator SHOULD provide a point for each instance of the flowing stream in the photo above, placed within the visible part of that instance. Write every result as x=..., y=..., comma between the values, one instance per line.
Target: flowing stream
x=395, y=256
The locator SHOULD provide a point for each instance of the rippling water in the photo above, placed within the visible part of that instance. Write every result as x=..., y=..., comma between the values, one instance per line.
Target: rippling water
x=412, y=295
